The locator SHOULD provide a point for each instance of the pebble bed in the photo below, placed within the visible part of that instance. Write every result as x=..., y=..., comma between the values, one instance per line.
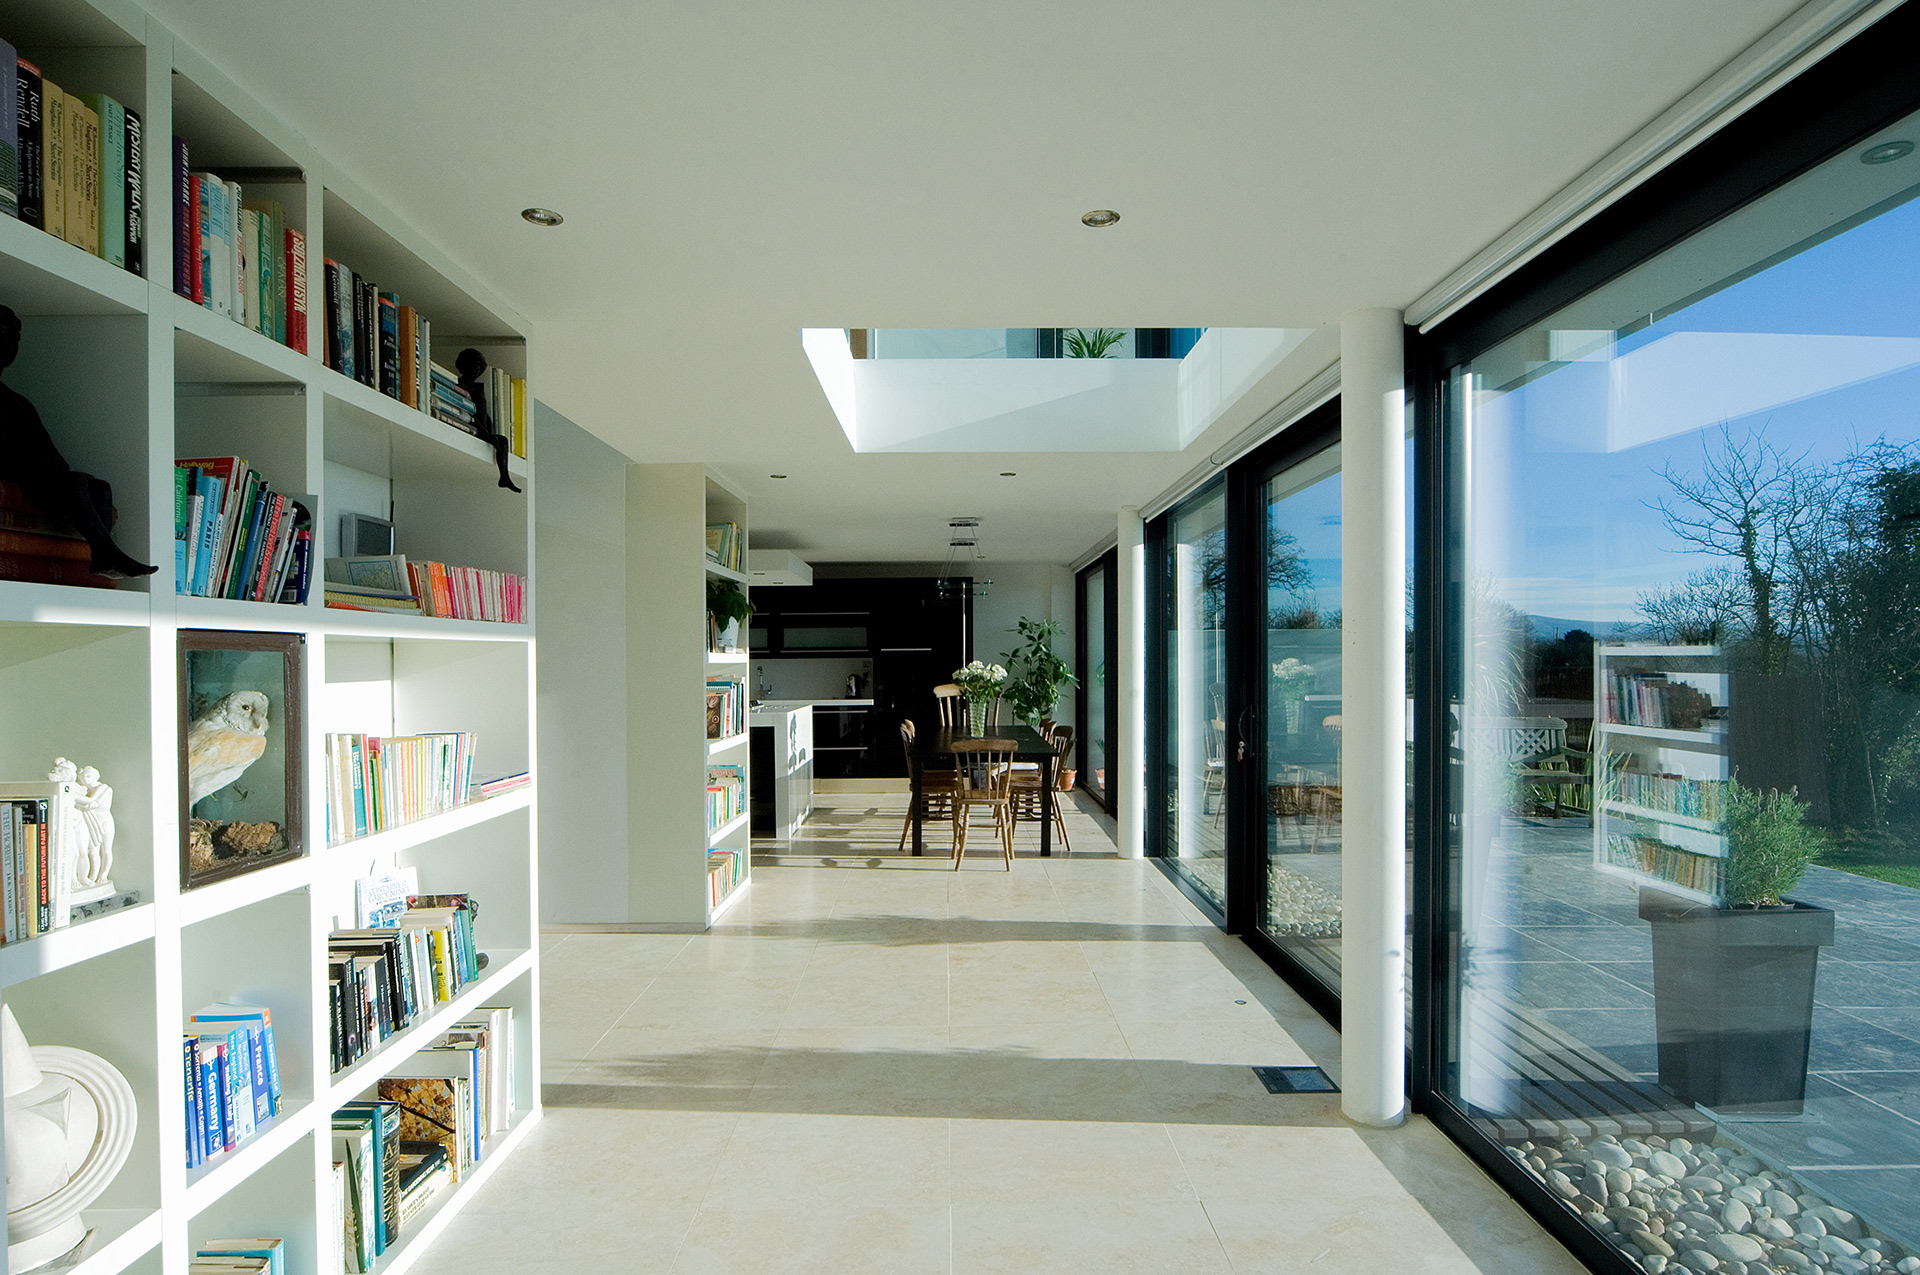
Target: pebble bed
x=1678, y=1206
x=1298, y=905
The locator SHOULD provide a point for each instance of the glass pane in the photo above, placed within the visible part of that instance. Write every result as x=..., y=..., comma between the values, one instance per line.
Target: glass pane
x=1093, y=681
x=1195, y=591
x=1301, y=537
x=1690, y=665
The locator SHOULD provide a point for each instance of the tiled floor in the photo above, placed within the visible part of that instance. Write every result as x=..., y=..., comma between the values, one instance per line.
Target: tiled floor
x=899, y=1068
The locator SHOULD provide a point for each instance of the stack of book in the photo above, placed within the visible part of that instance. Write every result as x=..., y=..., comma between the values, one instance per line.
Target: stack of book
x=376, y=783
x=384, y=978
x=36, y=825
x=257, y=1256
x=726, y=795
x=238, y=257
x=504, y=783
x=70, y=164
x=726, y=869
x=40, y=549
x=233, y=538
x=724, y=544
x=726, y=707
x=232, y=1078
x=379, y=342
x=469, y=593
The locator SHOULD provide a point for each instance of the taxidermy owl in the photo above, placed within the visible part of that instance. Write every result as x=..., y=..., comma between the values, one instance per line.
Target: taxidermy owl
x=223, y=741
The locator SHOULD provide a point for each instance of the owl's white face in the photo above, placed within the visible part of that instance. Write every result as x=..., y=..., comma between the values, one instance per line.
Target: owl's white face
x=246, y=712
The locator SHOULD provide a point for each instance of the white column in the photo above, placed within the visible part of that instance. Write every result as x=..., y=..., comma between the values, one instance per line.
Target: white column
x=1373, y=754
x=1129, y=762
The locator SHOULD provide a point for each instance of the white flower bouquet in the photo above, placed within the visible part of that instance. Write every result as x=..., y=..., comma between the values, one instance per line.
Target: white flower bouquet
x=980, y=682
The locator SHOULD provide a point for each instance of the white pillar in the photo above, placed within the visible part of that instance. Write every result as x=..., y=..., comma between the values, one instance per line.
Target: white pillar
x=1129, y=762
x=1373, y=752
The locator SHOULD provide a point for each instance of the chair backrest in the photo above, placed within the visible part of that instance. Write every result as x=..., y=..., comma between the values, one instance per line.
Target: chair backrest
x=986, y=765
x=1519, y=739
x=951, y=703
x=907, y=736
x=1062, y=750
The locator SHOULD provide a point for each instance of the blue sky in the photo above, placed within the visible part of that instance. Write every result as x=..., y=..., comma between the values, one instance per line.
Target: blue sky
x=1566, y=525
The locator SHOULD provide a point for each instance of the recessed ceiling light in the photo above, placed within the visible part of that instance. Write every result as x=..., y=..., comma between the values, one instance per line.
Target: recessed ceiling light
x=1886, y=152
x=542, y=216
x=776, y=475
x=1008, y=473
x=1100, y=218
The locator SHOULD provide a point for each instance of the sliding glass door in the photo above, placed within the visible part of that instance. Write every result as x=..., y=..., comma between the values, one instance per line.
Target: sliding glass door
x=1296, y=674
x=1095, y=704
x=1187, y=781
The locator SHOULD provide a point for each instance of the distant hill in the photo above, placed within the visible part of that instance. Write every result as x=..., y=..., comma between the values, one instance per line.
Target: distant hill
x=1548, y=627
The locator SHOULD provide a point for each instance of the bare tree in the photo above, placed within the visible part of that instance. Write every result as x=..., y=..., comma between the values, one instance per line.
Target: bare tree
x=1752, y=503
x=1706, y=608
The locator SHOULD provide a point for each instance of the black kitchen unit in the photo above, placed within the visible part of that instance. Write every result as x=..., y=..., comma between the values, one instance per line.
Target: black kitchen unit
x=912, y=633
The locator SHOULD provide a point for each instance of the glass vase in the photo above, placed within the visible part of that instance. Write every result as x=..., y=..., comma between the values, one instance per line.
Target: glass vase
x=976, y=717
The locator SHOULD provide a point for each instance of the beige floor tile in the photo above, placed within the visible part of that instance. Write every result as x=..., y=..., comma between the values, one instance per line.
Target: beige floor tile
x=858, y=1071
x=828, y=1000
x=1049, y=997
x=828, y=1240
x=1231, y=1164
x=1065, y=1164
x=679, y=1070
x=610, y=957
x=1088, y=1038
x=478, y=1242
x=1253, y=1042
x=1016, y=956
x=773, y=957
x=799, y=1162
x=1028, y=1086
x=1320, y=1232
x=878, y=960
x=583, y=1004
x=1137, y=1237
x=652, y=1161
x=1212, y=997
x=711, y=1001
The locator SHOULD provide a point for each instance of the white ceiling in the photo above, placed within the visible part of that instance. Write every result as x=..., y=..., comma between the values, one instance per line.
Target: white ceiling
x=731, y=173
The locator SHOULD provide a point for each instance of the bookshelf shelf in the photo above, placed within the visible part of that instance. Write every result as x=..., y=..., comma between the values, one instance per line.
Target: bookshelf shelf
x=733, y=896
x=81, y=941
x=1662, y=816
x=24, y=603
x=216, y=1177
x=504, y=965
x=242, y=891
x=355, y=850
x=43, y=275
x=727, y=573
x=717, y=746
x=1667, y=733
x=727, y=657
x=728, y=828
x=120, y=1238
x=428, y=1226
x=89, y=673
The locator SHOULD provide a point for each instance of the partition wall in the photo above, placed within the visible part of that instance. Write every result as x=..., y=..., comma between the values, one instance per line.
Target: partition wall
x=1665, y=710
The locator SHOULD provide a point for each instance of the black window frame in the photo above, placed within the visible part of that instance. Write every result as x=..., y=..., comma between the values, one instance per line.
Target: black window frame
x=1862, y=87
x=1109, y=564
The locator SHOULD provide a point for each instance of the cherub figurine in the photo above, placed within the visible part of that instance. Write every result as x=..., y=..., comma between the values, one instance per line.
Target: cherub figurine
x=471, y=366
x=29, y=457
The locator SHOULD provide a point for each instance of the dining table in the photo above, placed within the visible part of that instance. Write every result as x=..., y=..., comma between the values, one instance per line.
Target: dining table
x=1028, y=745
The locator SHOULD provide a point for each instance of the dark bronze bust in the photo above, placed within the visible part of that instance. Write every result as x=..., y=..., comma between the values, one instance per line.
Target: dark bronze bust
x=29, y=457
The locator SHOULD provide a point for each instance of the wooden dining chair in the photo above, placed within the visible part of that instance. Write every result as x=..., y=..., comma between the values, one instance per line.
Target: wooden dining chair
x=936, y=787
x=1024, y=795
x=985, y=780
x=952, y=704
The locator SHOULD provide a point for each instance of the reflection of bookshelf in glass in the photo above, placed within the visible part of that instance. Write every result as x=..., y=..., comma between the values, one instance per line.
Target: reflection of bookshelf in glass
x=1662, y=765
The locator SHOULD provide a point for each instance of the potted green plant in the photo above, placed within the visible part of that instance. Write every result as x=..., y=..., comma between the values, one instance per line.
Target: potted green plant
x=1094, y=343
x=1036, y=675
x=1733, y=982
x=727, y=609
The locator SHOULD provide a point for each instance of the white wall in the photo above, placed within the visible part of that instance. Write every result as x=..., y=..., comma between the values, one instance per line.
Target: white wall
x=580, y=591
x=1035, y=591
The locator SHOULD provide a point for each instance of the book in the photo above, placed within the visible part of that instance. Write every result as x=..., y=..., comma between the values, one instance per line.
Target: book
x=353, y=1147
x=388, y=310
x=271, y=1251
x=83, y=174
x=109, y=158
x=296, y=286
x=385, y=572
x=259, y=1020
x=9, y=130
x=30, y=165
x=134, y=197
x=435, y=1109
x=53, y=151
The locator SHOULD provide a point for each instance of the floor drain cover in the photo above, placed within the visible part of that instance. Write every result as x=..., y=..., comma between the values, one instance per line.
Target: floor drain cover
x=1295, y=1080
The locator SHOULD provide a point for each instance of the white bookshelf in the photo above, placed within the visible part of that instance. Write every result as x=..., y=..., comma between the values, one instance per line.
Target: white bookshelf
x=668, y=664
x=1622, y=750
x=90, y=674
